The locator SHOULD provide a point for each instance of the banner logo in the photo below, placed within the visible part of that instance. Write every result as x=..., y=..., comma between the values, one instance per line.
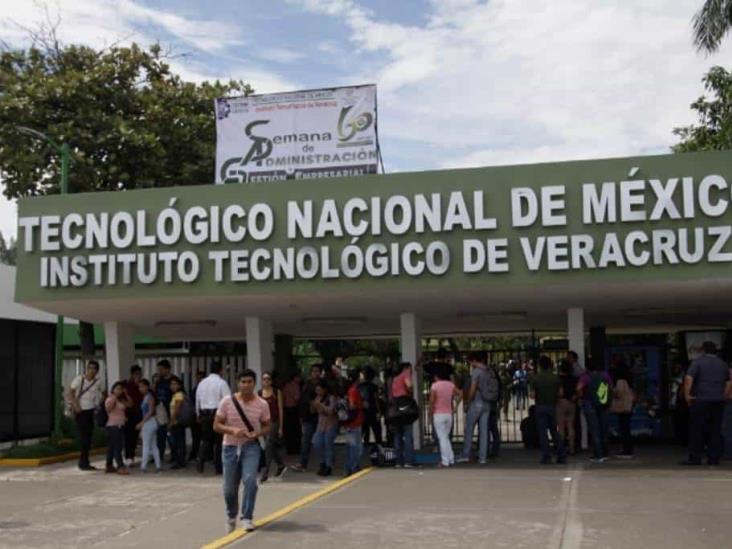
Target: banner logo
x=261, y=146
x=347, y=129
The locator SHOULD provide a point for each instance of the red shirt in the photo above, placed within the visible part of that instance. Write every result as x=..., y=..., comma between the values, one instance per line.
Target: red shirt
x=399, y=384
x=354, y=399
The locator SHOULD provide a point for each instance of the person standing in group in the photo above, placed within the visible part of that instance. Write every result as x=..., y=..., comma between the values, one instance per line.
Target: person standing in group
x=291, y=419
x=116, y=406
x=148, y=427
x=594, y=389
x=482, y=390
x=494, y=432
x=163, y=394
x=83, y=396
x=210, y=393
x=273, y=449
x=545, y=388
x=133, y=414
x=580, y=422
x=439, y=368
x=442, y=398
x=622, y=405
x=706, y=386
x=401, y=386
x=242, y=418
x=567, y=405
x=370, y=397
x=353, y=427
x=308, y=416
x=327, y=428
x=177, y=426
x=520, y=385
x=195, y=424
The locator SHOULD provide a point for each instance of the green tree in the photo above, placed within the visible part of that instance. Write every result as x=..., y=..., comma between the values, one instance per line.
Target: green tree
x=714, y=130
x=129, y=120
x=7, y=250
x=711, y=23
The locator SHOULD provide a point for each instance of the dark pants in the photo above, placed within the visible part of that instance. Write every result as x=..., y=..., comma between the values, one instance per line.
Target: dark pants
x=546, y=420
x=195, y=440
x=210, y=442
x=291, y=429
x=626, y=437
x=597, y=428
x=308, y=431
x=273, y=449
x=114, y=448
x=162, y=437
x=178, y=444
x=371, y=423
x=131, y=433
x=706, y=427
x=495, y=434
x=85, y=426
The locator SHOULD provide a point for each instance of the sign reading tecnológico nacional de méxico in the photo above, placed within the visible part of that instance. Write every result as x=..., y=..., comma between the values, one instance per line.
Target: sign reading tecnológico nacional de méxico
x=298, y=135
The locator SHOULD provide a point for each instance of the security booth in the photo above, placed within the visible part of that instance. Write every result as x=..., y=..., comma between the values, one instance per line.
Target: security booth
x=571, y=247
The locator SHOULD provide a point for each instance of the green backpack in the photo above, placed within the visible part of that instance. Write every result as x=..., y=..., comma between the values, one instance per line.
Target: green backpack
x=600, y=392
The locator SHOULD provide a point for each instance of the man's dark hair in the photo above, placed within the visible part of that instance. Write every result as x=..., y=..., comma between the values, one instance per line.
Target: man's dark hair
x=573, y=354
x=323, y=384
x=441, y=354
x=476, y=356
x=93, y=363
x=164, y=363
x=145, y=382
x=403, y=366
x=354, y=374
x=135, y=368
x=319, y=366
x=369, y=373
x=216, y=367
x=248, y=373
x=545, y=363
x=709, y=348
x=177, y=380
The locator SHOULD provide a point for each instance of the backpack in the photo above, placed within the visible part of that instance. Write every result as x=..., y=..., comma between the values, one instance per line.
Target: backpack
x=600, y=393
x=488, y=385
x=100, y=414
x=185, y=412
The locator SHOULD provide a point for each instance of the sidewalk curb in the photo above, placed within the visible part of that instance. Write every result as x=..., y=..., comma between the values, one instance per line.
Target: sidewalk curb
x=294, y=506
x=39, y=462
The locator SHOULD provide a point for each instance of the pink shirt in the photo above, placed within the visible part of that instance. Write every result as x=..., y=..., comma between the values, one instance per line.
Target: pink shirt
x=115, y=411
x=399, y=385
x=443, y=391
x=256, y=410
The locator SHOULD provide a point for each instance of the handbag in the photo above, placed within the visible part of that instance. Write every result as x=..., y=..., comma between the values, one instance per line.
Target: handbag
x=623, y=398
x=245, y=419
x=161, y=414
x=402, y=410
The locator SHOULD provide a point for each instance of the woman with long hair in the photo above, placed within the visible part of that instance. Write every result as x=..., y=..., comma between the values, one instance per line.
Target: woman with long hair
x=148, y=427
x=622, y=406
x=401, y=386
x=327, y=429
x=116, y=406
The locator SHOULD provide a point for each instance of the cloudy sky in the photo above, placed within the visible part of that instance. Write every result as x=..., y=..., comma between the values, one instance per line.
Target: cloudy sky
x=460, y=82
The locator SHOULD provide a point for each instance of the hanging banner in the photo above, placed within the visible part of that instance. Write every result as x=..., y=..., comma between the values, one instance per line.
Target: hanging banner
x=296, y=135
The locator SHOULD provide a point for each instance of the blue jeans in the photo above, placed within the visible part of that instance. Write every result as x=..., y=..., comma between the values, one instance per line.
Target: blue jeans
x=241, y=464
x=479, y=411
x=324, y=442
x=114, y=449
x=597, y=427
x=404, y=444
x=354, y=449
x=546, y=420
x=308, y=430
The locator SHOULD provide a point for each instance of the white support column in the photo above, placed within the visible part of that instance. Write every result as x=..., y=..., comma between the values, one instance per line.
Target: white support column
x=576, y=332
x=260, y=356
x=576, y=336
x=410, y=344
x=119, y=350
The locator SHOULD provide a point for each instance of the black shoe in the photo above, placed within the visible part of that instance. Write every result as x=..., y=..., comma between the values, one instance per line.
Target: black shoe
x=545, y=461
x=199, y=466
x=178, y=466
x=690, y=462
x=561, y=461
x=322, y=472
x=87, y=468
x=712, y=462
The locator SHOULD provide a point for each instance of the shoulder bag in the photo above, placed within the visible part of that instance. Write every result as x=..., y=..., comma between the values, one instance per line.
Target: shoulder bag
x=245, y=419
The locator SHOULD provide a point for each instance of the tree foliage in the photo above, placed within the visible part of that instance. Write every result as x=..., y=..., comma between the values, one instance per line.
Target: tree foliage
x=129, y=120
x=714, y=128
x=8, y=250
x=711, y=23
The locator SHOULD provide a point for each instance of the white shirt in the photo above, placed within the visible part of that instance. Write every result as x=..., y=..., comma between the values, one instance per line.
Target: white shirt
x=210, y=392
x=92, y=391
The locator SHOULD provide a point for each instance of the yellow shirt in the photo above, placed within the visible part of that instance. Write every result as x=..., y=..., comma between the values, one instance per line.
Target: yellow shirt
x=175, y=402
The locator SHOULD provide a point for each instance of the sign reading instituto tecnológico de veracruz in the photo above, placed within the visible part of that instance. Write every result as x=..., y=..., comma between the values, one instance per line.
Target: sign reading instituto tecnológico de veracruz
x=296, y=135
x=664, y=215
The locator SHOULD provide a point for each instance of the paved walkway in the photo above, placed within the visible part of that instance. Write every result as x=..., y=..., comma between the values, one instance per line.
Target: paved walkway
x=648, y=503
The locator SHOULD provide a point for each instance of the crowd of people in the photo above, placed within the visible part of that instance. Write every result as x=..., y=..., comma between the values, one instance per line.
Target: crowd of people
x=245, y=432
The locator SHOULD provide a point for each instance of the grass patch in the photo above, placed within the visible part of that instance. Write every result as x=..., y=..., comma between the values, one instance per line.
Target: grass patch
x=52, y=447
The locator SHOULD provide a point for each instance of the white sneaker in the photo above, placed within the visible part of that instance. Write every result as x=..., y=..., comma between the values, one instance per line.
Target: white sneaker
x=247, y=524
x=463, y=460
x=230, y=525
x=482, y=462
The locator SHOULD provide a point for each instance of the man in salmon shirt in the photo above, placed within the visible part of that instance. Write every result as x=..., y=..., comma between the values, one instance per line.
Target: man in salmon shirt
x=242, y=422
x=354, y=436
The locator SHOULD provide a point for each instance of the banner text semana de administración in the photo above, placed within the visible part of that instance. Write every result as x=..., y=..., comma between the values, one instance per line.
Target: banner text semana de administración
x=506, y=224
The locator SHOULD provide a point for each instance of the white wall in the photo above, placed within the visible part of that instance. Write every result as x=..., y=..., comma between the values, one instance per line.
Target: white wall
x=12, y=310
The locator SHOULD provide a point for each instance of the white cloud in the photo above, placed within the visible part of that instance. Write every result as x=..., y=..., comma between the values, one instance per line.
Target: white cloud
x=261, y=80
x=8, y=215
x=523, y=82
x=280, y=55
